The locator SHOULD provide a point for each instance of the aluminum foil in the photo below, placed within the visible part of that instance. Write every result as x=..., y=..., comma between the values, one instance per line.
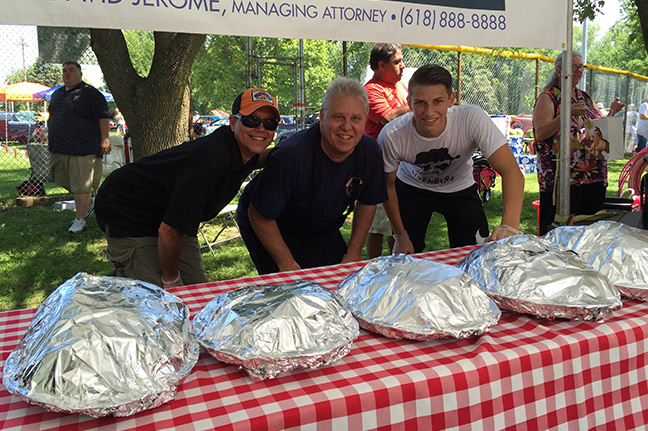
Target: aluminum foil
x=269, y=329
x=103, y=345
x=617, y=250
x=527, y=274
x=402, y=296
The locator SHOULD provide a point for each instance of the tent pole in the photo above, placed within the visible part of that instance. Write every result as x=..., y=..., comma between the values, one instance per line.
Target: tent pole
x=537, y=79
x=249, y=62
x=562, y=210
x=344, y=58
x=302, y=84
x=459, y=58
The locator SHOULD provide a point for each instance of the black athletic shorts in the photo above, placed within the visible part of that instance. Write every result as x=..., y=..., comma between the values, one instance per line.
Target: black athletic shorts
x=463, y=212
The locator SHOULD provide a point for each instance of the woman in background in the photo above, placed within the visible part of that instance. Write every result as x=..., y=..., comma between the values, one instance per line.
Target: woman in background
x=588, y=173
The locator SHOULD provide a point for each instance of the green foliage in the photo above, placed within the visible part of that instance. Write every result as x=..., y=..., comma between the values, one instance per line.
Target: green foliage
x=141, y=47
x=587, y=9
x=44, y=73
x=416, y=57
x=621, y=47
x=219, y=72
x=479, y=81
x=357, y=54
x=320, y=58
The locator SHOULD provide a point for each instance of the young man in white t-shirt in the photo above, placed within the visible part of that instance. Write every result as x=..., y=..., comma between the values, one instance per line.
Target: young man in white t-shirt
x=428, y=166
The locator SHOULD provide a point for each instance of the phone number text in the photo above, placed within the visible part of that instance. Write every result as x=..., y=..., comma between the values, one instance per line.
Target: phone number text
x=431, y=19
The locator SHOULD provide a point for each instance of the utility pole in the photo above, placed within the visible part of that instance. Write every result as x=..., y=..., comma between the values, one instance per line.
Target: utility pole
x=23, y=44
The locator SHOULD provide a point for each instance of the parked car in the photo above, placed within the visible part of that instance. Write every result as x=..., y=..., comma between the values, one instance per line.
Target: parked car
x=523, y=121
x=312, y=118
x=309, y=119
x=215, y=125
x=15, y=126
x=283, y=135
x=287, y=123
x=207, y=119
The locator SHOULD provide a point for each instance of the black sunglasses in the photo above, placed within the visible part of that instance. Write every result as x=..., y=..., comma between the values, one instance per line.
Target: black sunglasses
x=253, y=122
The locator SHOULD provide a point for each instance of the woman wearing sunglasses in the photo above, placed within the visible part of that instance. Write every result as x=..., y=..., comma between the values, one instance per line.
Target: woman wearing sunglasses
x=150, y=210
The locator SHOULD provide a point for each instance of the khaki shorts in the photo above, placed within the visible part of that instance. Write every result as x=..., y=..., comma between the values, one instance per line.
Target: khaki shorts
x=380, y=224
x=138, y=258
x=76, y=174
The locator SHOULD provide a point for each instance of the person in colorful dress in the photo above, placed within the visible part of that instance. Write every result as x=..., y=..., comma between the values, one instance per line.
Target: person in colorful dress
x=588, y=173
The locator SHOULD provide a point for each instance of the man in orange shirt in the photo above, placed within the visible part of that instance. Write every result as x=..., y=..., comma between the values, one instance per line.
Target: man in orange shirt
x=387, y=100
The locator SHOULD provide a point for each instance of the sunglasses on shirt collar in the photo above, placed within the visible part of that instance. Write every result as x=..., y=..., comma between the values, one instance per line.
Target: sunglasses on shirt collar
x=253, y=122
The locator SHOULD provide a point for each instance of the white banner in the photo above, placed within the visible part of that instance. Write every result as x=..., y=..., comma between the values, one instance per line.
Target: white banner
x=502, y=23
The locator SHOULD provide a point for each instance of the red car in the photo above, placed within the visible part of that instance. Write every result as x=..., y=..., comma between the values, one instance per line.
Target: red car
x=522, y=121
x=16, y=126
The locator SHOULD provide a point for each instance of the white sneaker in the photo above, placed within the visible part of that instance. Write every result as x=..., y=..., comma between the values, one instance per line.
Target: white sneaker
x=77, y=225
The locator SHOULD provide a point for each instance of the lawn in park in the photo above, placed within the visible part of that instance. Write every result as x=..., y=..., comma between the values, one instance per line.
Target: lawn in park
x=37, y=253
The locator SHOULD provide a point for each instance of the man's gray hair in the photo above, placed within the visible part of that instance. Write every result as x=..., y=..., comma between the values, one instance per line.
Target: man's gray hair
x=553, y=80
x=345, y=87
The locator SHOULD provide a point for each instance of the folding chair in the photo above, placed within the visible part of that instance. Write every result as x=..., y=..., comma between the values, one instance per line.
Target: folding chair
x=228, y=214
x=116, y=158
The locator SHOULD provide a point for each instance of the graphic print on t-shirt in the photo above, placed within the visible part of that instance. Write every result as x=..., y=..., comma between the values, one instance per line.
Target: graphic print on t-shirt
x=432, y=164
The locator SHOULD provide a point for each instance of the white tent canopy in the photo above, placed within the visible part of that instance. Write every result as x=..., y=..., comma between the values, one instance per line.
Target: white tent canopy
x=503, y=23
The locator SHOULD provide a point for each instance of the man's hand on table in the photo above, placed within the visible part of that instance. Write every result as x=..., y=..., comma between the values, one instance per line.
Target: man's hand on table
x=351, y=256
x=291, y=265
x=501, y=232
x=402, y=244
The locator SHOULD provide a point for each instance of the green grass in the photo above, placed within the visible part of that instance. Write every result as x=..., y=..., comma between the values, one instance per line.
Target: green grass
x=37, y=253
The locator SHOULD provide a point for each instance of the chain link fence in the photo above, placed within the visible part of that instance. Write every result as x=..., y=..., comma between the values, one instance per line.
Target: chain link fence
x=501, y=83
x=504, y=84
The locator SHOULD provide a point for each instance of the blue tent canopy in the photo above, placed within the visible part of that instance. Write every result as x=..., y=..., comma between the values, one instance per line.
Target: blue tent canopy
x=47, y=94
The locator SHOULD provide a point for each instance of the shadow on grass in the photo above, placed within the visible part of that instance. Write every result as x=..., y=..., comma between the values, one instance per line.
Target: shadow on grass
x=37, y=254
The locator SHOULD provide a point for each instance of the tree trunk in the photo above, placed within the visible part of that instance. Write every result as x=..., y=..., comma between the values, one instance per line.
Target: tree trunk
x=156, y=108
x=642, y=11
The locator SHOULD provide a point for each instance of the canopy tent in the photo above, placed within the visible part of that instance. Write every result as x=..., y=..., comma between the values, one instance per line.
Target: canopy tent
x=543, y=24
x=219, y=113
x=21, y=92
x=47, y=94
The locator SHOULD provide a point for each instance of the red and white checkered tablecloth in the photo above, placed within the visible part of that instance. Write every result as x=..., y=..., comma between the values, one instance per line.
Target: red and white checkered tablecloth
x=525, y=373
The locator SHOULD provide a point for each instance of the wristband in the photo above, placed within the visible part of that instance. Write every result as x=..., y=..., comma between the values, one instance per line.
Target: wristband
x=164, y=282
x=507, y=227
x=403, y=236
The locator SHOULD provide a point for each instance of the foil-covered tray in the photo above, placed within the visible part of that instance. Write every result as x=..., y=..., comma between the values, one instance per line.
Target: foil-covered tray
x=269, y=329
x=103, y=345
x=402, y=296
x=527, y=274
x=617, y=250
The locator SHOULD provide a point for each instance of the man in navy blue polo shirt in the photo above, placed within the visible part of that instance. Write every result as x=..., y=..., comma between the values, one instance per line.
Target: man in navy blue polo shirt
x=78, y=126
x=291, y=213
